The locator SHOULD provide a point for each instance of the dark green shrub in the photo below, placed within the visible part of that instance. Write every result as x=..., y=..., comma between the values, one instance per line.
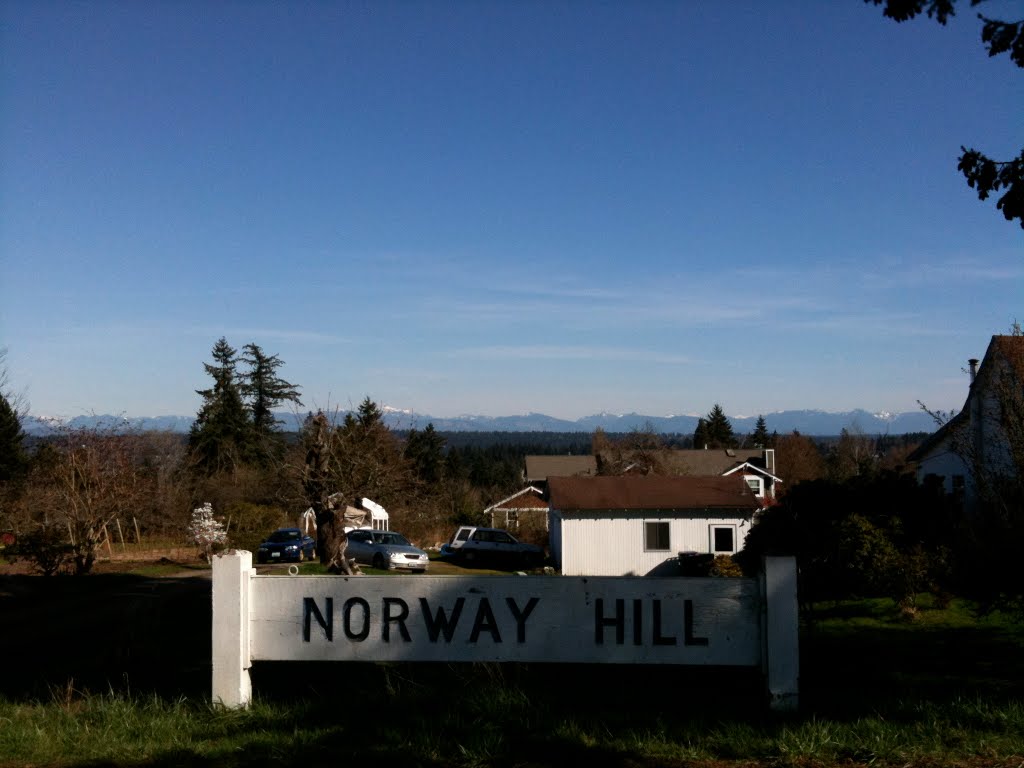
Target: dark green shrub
x=47, y=548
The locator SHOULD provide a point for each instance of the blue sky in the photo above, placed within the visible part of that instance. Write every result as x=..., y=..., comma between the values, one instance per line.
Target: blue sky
x=496, y=208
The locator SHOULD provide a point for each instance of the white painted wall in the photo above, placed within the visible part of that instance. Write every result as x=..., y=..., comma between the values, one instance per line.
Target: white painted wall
x=608, y=544
x=945, y=463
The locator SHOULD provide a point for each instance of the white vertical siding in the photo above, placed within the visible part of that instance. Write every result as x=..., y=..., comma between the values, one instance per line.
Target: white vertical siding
x=608, y=544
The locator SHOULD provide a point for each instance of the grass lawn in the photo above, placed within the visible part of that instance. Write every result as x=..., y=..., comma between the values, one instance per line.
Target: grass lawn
x=114, y=670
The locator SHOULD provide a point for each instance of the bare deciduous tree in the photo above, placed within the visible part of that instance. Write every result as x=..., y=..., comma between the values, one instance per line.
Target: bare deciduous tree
x=96, y=479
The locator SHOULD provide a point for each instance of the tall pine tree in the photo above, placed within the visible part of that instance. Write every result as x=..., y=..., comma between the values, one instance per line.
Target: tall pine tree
x=221, y=439
x=264, y=391
x=700, y=434
x=13, y=457
x=718, y=430
x=759, y=437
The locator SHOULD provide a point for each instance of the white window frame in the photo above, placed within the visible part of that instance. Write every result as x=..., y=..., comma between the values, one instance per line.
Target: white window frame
x=711, y=538
x=668, y=529
x=760, y=484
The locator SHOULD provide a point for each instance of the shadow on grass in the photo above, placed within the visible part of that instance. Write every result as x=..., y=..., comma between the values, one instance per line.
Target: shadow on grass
x=105, y=633
x=135, y=635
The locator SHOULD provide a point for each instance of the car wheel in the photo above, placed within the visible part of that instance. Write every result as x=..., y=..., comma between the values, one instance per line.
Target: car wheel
x=378, y=562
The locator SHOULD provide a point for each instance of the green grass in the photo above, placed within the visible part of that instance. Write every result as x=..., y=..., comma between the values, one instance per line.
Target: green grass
x=493, y=721
x=944, y=690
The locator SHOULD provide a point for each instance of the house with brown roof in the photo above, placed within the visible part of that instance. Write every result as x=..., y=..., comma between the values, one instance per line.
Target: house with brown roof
x=540, y=468
x=638, y=524
x=981, y=449
x=756, y=466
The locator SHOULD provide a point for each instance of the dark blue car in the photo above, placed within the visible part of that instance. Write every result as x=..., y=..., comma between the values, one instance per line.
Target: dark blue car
x=286, y=545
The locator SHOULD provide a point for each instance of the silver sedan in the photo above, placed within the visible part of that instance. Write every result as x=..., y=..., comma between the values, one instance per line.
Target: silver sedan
x=385, y=550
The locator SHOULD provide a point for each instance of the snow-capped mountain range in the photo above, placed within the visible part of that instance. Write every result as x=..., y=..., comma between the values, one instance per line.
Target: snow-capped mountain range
x=808, y=422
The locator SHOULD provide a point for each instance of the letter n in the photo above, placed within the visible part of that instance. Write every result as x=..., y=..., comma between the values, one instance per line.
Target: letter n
x=309, y=609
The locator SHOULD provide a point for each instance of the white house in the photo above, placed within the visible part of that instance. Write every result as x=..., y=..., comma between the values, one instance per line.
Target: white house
x=638, y=524
x=983, y=444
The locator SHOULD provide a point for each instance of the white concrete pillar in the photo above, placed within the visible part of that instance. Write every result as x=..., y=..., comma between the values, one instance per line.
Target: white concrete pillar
x=781, y=628
x=232, y=578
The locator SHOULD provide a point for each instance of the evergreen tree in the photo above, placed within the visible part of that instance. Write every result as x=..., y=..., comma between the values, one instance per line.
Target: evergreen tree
x=221, y=438
x=718, y=430
x=369, y=415
x=759, y=437
x=426, y=452
x=13, y=458
x=264, y=390
x=700, y=434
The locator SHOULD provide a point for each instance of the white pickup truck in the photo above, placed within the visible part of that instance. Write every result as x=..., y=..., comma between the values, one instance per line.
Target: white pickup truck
x=491, y=546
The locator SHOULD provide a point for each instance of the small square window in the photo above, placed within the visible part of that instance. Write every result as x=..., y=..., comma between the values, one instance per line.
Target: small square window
x=656, y=537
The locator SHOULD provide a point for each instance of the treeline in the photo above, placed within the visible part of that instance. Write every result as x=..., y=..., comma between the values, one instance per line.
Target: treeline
x=60, y=497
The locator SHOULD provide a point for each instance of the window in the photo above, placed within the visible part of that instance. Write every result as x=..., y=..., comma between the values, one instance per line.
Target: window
x=756, y=484
x=723, y=539
x=656, y=537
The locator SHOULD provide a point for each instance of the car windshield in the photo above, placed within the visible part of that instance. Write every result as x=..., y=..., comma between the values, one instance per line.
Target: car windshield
x=395, y=539
x=279, y=536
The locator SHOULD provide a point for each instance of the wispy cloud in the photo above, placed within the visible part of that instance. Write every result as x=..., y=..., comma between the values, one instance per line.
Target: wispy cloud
x=554, y=352
x=861, y=324
x=277, y=334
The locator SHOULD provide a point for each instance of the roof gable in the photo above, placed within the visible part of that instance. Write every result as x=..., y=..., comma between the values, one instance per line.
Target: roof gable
x=747, y=466
x=528, y=498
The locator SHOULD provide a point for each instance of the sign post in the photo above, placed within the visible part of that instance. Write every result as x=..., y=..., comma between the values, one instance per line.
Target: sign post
x=233, y=575
x=565, y=619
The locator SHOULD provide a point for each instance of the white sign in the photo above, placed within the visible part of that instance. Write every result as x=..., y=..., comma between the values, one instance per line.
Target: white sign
x=502, y=618
x=506, y=618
